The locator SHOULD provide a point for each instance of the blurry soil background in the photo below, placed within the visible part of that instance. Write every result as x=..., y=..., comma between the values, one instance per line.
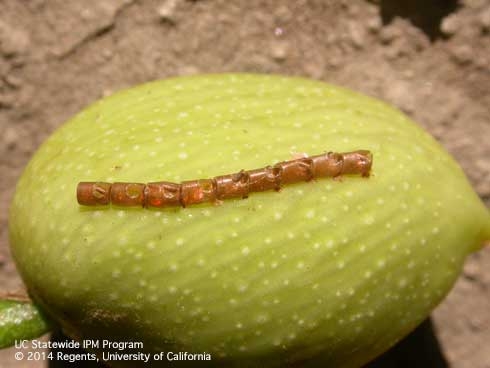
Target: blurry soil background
x=430, y=58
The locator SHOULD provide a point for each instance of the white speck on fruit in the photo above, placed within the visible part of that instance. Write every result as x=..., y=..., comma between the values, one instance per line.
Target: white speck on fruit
x=182, y=155
x=245, y=250
x=310, y=214
x=262, y=318
x=402, y=283
x=368, y=220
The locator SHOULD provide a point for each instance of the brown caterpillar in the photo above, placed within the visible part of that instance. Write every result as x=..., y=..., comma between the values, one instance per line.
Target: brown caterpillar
x=238, y=185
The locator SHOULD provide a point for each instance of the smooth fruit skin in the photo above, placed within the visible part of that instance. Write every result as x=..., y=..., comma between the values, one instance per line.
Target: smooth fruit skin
x=332, y=270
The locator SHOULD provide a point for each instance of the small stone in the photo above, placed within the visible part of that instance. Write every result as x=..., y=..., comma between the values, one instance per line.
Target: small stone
x=13, y=41
x=374, y=24
x=10, y=138
x=166, y=11
x=356, y=35
x=107, y=54
x=484, y=19
x=449, y=25
x=389, y=34
x=462, y=54
x=13, y=81
x=283, y=14
x=471, y=270
x=279, y=50
x=475, y=323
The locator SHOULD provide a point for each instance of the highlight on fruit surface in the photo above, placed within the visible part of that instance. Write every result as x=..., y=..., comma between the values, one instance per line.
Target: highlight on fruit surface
x=331, y=274
x=238, y=185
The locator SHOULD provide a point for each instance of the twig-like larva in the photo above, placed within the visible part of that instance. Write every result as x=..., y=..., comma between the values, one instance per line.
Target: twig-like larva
x=238, y=185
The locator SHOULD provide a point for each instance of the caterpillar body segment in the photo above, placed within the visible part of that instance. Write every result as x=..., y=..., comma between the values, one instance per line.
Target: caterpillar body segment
x=238, y=185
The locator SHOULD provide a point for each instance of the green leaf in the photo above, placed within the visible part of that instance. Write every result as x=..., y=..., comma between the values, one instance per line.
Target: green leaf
x=20, y=320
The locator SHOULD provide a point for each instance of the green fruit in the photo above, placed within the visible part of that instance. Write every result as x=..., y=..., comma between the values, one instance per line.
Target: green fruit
x=331, y=270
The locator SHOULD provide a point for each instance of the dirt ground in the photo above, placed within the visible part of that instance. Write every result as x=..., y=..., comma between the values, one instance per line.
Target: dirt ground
x=429, y=58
